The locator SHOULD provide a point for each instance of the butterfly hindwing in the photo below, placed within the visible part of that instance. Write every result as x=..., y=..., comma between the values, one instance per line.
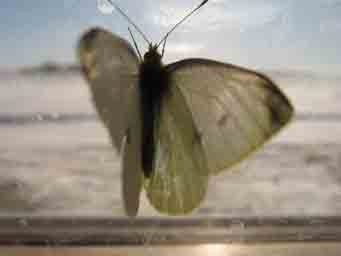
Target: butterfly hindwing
x=179, y=180
x=132, y=174
x=235, y=109
x=111, y=68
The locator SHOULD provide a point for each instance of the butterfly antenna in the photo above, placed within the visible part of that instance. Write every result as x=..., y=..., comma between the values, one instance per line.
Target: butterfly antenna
x=135, y=44
x=181, y=21
x=129, y=20
x=164, y=46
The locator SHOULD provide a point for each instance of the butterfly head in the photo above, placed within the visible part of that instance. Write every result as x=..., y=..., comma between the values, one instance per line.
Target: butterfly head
x=152, y=56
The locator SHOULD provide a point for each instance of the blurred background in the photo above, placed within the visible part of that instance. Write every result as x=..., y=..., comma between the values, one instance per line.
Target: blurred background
x=55, y=155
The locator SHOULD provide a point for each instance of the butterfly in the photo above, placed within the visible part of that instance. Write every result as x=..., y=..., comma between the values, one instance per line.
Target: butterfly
x=177, y=124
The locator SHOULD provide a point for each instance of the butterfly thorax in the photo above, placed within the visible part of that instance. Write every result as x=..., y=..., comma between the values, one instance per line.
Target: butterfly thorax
x=153, y=84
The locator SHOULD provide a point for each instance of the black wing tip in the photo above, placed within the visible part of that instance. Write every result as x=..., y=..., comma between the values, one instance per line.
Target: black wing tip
x=90, y=35
x=86, y=44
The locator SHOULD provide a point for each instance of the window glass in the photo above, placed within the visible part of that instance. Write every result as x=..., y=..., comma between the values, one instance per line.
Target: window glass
x=56, y=158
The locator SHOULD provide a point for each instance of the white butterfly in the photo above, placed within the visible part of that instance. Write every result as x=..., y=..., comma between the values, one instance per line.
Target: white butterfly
x=177, y=124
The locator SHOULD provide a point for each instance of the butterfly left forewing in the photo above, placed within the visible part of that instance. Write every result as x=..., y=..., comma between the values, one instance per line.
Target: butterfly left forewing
x=111, y=67
x=178, y=182
x=235, y=110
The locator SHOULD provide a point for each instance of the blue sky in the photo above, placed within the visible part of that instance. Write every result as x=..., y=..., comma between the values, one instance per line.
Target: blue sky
x=270, y=34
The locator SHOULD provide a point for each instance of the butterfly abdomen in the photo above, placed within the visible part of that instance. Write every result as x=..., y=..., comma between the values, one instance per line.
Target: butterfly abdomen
x=152, y=84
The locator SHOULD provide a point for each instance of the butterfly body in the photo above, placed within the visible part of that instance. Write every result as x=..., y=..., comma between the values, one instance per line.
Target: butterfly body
x=153, y=83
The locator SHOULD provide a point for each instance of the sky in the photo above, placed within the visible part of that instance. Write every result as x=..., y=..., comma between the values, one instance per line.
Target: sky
x=262, y=34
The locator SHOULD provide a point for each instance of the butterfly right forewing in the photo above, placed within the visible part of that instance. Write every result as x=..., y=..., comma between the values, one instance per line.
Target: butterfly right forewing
x=236, y=110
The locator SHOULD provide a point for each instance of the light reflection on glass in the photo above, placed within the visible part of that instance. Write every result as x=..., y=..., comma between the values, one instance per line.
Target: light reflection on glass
x=217, y=249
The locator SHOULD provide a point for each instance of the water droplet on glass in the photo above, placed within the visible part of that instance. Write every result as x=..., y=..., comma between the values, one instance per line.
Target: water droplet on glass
x=105, y=7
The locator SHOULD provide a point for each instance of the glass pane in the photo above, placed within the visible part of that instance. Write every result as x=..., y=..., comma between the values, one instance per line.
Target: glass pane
x=56, y=159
